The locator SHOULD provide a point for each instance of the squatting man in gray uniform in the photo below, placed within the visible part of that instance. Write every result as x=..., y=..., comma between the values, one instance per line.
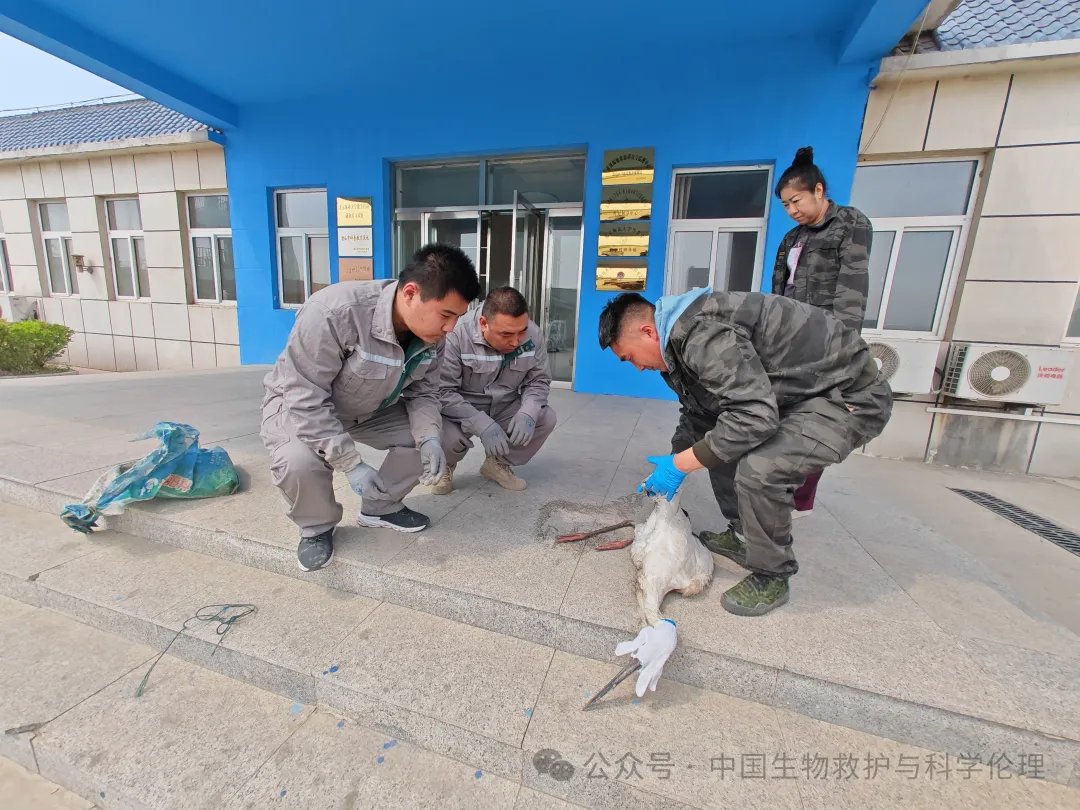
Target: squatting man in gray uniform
x=361, y=366
x=495, y=384
x=771, y=391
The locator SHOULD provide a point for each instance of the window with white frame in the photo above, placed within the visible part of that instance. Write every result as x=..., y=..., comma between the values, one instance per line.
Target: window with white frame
x=303, y=245
x=717, y=232
x=5, y=267
x=921, y=212
x=127, y=248
x=211, y=247
x=56, y=241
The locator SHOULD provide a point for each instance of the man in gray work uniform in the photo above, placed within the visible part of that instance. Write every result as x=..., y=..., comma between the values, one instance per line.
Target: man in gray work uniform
x=772, y=390
x=495, y=383
x=362, y=366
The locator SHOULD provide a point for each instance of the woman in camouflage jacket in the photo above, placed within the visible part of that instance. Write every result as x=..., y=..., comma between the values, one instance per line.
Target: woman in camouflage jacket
x=822, y=261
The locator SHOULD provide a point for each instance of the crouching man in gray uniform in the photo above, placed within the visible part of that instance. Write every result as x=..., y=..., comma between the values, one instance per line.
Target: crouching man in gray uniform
x=361, y=365
x=771, y=390
x=495, y=383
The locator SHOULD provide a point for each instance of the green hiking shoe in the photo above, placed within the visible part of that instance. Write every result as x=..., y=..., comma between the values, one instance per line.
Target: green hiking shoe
x=756, y=595
x=726, y=543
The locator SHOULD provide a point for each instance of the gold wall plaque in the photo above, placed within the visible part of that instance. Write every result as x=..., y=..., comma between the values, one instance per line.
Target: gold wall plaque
x=624, y=239
x=621, y=277
x=622, y=166
x=630, y=201
x=356, y=269
x=354, y=212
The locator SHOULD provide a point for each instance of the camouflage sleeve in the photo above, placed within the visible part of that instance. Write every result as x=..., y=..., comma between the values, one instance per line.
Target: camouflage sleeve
x=849, y=302
x=685, y=436
x=780, y=269
x=727, y=366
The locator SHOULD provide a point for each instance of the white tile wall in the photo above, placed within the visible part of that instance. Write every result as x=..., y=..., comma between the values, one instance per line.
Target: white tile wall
x=73, y=313
x=1057, y=447
x=168, y=285
x=145, y=354
x=164, y=249
x=53, y=310
x=123, y=171
x=159, y=211
x=225, y=325
x=15, y=214
x=31, y=176
x=11, y=183
x=1034, y=180
x=124, y=352
x=142, y=320
x=120, y=317
x=203, y=355
x=153, y=172
x=1044, y=107
x=905, y=125
x=99, y=350
x=989, y=312
x=21, y=248
x=77, y=355
x=1026, y=248
x=101, y=175
x=52, y=179
x=967, y=112
x=186, y=170
x=77, y=181
x=26, y=279
x=171, y=322
x=173, y=354
x=83, y=215
x=228, y=356
x=212, y=168
x=201, y=321
x=96, y=317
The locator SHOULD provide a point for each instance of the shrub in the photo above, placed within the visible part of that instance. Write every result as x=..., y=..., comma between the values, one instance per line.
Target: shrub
x=26, y=346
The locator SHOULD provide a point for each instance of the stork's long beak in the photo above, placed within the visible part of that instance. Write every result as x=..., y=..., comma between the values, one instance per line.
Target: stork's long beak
x=626, y=672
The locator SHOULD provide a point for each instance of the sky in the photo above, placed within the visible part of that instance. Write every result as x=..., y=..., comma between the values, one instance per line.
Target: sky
x=44, y=80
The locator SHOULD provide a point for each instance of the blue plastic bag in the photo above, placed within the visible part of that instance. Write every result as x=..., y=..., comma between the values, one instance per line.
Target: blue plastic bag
x=178, y=468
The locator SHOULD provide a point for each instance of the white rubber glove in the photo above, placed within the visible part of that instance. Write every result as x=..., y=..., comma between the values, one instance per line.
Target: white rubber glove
x=652, y=647
x=364, y=480
x=432, y=460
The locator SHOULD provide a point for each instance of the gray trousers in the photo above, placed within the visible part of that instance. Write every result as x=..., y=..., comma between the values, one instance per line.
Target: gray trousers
x=457, y=441
x=755, y=492
x=307, y=482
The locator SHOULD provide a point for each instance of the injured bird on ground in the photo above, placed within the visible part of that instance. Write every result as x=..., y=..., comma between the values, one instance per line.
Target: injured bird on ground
x=668, y=558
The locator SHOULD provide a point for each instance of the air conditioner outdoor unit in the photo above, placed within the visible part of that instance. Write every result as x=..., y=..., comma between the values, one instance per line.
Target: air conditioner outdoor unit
x=1033, y=375
x=907, y=365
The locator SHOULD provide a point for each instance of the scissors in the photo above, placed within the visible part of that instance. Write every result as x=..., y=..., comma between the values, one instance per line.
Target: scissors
x=626, y=672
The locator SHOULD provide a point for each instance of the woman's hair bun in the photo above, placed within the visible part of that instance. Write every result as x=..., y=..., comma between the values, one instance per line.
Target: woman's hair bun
x=804, y=157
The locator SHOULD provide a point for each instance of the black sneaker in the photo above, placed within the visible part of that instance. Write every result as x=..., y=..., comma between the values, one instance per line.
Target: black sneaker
x=403, y=520
x=315, y=552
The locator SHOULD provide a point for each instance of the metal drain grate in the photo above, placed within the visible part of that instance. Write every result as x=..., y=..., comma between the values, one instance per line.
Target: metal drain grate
x=1046, y=529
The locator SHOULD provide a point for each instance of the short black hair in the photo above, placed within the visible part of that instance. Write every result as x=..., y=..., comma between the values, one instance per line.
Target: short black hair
x=505, y=301
x=803, y=173
x=618, y=310
x=440, y=269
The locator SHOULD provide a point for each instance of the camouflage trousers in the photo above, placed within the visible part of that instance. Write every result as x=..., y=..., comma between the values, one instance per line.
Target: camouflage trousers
x=755, y=493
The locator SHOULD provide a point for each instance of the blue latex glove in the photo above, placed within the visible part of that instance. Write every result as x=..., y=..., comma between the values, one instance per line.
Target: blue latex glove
x=665, y=479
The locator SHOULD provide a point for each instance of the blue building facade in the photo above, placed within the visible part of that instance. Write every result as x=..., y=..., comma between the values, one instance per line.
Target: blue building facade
x=356, y=100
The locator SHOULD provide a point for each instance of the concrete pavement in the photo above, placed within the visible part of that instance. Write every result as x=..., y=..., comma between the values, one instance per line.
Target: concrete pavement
x=917, y=616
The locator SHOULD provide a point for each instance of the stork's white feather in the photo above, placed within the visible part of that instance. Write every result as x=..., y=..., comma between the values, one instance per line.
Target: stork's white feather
x=668, y=558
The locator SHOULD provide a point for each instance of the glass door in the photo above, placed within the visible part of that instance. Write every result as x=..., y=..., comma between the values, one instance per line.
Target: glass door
x=460, y=229
x=526, y=250
x=557, y=315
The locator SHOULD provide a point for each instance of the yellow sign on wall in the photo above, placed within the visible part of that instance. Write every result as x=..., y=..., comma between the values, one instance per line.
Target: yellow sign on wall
x=354, y=212
x=623, y=166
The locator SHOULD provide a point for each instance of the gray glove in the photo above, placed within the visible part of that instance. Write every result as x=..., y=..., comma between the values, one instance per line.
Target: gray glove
x=433, y=460
x=364, y=480
x=495, y=442
x=522, y=427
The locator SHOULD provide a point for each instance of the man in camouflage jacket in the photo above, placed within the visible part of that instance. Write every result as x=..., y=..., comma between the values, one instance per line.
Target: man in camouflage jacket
x=771, y=390
x=832, y=269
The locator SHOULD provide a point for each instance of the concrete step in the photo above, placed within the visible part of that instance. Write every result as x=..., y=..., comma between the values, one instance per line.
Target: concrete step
x=330, y=699
x=517, y=636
